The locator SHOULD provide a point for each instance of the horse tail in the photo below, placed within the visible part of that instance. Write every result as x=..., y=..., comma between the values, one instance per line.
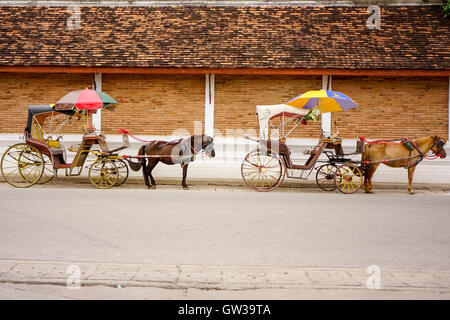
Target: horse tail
x=136, y=166
x=142, y=153
x=365, y=159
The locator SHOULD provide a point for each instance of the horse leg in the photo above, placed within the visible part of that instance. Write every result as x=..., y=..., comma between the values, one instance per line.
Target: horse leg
x=365, y=179
x=183, y=182
x=410, y=178
x=145, y=174
x=151, y=165
x=368, y=178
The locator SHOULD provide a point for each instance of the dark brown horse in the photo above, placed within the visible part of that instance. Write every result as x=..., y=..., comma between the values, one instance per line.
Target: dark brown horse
x=387, y=153
x=180, y=152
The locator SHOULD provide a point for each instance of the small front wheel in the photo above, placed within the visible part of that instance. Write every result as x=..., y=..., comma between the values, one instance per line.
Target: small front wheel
x=349, y=178
x=103, y=173
x=325, y=177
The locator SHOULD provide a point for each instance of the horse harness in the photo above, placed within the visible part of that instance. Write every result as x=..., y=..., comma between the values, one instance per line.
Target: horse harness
x=411, y=145
x=187, y=152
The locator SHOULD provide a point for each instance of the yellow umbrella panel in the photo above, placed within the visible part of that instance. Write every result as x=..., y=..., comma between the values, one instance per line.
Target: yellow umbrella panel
x=326, y=101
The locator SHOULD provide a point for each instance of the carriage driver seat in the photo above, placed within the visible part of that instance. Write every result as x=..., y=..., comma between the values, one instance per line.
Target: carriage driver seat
x=105, y=148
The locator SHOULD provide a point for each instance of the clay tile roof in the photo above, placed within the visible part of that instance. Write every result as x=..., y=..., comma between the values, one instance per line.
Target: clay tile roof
x=411, y=37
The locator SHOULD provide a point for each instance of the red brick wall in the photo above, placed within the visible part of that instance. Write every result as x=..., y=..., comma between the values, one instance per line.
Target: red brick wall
x=392, y=107
x=154, y=104
x=18, y=91
x=236, y=98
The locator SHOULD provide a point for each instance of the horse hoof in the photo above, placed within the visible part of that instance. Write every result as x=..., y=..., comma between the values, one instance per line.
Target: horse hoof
x=368, y=191
x=185, y=188
x=151, y=187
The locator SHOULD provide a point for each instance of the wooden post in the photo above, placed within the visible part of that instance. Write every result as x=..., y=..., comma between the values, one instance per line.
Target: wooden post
x=326, y=117
x=209, y=104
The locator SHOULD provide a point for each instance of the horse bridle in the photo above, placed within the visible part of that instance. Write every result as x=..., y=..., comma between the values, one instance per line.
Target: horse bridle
x=439, y=143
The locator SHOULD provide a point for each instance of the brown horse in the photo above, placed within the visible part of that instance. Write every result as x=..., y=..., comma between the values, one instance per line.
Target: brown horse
x=180, y=152
x=385, y=152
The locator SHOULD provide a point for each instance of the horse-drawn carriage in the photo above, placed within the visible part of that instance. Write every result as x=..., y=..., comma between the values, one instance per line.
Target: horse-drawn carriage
x=38, y=159
x=265, y=168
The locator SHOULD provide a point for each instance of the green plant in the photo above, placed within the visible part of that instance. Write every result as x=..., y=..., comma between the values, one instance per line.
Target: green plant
x=445, y=7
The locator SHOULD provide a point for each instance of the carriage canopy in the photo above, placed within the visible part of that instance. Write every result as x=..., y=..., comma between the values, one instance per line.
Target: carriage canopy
x=39, y=113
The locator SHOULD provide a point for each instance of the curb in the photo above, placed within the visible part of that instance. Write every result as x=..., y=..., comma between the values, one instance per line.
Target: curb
x=238, y=183
x=217, y=277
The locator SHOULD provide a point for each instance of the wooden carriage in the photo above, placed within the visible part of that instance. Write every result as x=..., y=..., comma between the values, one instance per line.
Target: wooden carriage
x=38, y=159
x=265, y=168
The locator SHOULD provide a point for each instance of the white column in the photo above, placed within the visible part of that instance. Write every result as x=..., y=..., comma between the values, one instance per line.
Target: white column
x=97, y=118
x=326, y=117
x=209, y=104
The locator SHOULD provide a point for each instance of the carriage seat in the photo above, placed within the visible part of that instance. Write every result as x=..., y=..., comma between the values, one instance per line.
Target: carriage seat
x=315, y=154
x=105, y=148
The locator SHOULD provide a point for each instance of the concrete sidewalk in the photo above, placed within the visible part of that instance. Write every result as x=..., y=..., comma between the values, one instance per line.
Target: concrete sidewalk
x=289, y=185
x=217, y=277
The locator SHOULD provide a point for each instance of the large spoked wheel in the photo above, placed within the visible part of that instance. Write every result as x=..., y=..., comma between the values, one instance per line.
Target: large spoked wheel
x=263, y=171
x=122, y=170
x=325, y=177
x=49, y=172
x=349, y=178
x=22, y=165
x=103, y=173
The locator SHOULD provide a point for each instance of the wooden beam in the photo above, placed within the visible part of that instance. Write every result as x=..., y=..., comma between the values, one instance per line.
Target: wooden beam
x=236, y=71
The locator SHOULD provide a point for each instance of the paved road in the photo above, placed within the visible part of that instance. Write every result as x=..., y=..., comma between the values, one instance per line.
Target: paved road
x=225, y=227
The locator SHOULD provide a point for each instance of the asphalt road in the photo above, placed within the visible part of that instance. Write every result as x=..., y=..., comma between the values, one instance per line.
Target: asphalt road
x=225, y=227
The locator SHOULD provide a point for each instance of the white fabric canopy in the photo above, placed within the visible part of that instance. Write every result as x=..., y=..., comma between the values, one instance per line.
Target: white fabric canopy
x=265, y=113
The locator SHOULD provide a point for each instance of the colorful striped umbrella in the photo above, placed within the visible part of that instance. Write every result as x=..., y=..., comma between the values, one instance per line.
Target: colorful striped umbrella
x=84, y=100
x=326, y=101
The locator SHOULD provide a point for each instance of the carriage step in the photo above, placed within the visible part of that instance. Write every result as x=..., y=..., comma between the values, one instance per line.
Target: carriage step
x=297, y=173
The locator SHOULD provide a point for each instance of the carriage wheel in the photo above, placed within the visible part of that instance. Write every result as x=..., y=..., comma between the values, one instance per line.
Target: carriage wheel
x=49, y=172
x=22, y=165
x=122, y=170
x=103, y=173
x=348, y=178
x=325, y=177
x=262, y=171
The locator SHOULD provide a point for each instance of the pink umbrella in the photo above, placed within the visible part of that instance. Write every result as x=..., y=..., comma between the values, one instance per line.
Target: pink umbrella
x=81, y=100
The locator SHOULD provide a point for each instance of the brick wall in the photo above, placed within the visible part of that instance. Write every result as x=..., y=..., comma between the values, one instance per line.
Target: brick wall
x=18, y=91
x=154, y=104
x=393, y=107
x=159, y=104
x=236, y=98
